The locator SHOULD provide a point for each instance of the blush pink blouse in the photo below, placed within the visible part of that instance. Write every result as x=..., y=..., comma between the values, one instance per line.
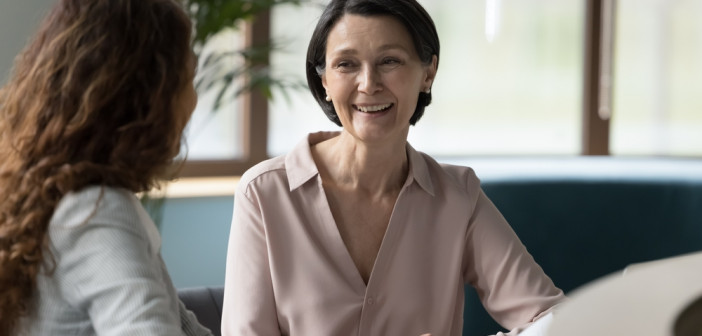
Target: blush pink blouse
x=289, y=272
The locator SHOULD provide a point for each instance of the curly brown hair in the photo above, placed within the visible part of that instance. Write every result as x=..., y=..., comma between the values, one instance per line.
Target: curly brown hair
x=91, y=101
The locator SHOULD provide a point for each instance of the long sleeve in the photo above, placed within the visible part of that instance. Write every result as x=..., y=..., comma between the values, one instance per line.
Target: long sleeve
x=105, y=269
x=512, y=286
x=106, y=275
x=249, y=304
x=289, y=271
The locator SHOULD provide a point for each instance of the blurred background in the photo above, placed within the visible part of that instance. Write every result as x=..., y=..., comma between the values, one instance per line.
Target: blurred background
x=510, y=81
x=517, y=79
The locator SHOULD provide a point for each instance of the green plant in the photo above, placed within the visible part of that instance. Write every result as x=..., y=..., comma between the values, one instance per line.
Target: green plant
x=233, y=72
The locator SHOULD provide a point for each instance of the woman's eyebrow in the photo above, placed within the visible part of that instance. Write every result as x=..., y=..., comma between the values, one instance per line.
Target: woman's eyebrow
x=391, y=46
x=384, y=47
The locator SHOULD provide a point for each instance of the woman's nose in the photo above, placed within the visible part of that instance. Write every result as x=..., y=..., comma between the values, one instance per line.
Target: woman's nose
x=369, y=80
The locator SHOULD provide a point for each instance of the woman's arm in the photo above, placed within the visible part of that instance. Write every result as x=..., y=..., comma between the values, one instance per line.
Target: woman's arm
x=511, y=285
x=249, y=303
x=108, y=269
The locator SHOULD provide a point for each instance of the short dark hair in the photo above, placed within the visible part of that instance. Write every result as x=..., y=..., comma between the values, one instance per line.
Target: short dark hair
x=408, y=12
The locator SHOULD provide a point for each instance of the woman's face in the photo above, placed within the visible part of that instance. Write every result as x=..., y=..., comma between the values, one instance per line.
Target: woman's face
x=373, y=76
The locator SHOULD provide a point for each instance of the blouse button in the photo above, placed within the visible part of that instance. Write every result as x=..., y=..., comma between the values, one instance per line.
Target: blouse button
x=370, y=301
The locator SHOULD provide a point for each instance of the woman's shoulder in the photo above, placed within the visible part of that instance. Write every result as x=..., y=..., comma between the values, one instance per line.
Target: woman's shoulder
x=108, y=212
x=268, y=170
x=282, y=172
x=459, y=176
x=95, y=202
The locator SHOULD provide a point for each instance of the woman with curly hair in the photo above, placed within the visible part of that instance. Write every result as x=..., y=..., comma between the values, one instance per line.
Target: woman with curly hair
x=92, y=114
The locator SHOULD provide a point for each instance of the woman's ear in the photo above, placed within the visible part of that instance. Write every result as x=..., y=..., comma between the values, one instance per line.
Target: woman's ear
x=326, y=90
x=324, y=80
x=430, y=72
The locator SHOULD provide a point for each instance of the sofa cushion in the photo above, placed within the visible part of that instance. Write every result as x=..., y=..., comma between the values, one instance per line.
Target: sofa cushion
x=206, y=303
x=581, y=222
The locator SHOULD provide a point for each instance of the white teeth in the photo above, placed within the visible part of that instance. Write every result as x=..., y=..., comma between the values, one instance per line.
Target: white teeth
x=375, y=108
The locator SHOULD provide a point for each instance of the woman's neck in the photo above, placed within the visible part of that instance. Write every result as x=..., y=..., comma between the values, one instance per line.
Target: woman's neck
x=377, y=169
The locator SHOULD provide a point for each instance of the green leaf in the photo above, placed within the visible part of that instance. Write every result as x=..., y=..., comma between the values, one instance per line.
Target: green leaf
x=223, y=69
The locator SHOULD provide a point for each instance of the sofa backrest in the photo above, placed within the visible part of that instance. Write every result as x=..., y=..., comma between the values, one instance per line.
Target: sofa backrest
x=206, y=304
x=580, y=226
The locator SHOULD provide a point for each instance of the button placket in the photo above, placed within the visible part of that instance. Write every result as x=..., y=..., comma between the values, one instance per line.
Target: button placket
x=367, y=314
x=376, y=281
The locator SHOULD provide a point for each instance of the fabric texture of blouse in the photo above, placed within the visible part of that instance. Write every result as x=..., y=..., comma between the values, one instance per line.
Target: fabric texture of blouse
x=289, y=272
x=109, y=278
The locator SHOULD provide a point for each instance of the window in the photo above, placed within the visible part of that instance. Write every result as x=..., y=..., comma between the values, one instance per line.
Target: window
x=290, y=119
x=209, y=134
x=515, y=78
x=509, y=79
x=657, y=97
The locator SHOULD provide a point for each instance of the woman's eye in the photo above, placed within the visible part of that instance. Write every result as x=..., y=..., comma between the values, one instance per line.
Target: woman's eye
x=343, y=65
x=391, y=61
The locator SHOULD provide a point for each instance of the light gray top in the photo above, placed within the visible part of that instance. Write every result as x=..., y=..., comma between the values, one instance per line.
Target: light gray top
x=109, y=278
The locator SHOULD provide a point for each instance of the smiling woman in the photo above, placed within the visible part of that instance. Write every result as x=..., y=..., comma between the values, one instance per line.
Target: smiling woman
x=518, y=93
x=374, y=84
x=356, y=232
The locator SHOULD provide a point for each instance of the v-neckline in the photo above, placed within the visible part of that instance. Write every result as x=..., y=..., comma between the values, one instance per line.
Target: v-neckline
x=342, y=252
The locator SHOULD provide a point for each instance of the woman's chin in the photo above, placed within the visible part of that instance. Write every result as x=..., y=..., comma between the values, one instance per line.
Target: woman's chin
x=374, y=133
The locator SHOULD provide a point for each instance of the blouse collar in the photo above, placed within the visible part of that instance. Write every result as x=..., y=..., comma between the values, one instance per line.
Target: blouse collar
x=300, y=166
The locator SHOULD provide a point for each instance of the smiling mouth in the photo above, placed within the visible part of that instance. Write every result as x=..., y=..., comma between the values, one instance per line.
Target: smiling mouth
x=373, y=108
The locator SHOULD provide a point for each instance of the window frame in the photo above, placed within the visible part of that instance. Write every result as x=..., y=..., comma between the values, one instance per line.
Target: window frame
x=597, y=74
x=596, y=102
x=255, y=119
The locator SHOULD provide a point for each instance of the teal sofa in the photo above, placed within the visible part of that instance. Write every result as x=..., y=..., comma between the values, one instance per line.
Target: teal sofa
x=581, y=218
x=584, y=218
